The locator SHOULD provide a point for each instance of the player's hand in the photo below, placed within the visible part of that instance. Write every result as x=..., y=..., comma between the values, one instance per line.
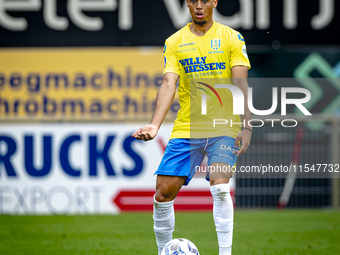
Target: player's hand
x=146, y=133
x=244, y=136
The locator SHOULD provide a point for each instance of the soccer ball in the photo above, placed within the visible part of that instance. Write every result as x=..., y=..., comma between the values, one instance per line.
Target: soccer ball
x=180, y=246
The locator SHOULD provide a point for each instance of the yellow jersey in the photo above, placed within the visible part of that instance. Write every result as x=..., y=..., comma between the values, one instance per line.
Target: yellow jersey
x=202, y=62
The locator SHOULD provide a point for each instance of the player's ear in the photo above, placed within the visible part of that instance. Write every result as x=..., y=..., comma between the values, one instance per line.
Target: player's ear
x=215, y=2
x=188, y=3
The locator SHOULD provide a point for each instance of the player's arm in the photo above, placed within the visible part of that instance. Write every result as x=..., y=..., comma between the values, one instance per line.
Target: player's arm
x=165, y=96
x=240, y=74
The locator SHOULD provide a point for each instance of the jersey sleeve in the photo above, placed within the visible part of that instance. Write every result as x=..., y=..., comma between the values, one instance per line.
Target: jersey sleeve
x=170, y=59
x=238, y=51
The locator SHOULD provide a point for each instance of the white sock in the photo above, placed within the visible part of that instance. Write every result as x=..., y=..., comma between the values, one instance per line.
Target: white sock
x=223, y=212
x=164, y=222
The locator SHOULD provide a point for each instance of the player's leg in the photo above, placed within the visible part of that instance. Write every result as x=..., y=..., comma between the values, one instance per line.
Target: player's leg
x=221, y=158
x=223, y=210
x=173, y=171
x=167, y=188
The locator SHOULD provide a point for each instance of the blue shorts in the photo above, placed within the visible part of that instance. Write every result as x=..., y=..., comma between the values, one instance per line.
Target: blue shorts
x=182, y=156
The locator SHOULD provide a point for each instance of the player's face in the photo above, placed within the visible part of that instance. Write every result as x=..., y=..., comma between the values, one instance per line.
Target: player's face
x=201, y=10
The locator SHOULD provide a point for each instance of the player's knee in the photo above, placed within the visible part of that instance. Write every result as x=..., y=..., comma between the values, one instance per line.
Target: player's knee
x=217, y=181
x=164, y=195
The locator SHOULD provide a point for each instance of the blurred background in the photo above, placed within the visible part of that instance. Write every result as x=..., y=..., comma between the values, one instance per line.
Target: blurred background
x=77, y=78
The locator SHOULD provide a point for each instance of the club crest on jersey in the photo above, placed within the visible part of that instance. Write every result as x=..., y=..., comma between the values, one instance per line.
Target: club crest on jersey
x=215, y=44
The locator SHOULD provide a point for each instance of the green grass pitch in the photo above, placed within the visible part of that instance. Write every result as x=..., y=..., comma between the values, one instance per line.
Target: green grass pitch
x=255, y=232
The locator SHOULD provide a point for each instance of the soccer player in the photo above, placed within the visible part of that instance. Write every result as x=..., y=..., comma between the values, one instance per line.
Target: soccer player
x=202, y=49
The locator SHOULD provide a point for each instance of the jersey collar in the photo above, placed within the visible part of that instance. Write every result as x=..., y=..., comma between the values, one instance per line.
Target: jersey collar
x=206, y=34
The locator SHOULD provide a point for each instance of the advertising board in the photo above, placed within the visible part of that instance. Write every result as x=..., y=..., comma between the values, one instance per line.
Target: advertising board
x=133, y=23
x=84, y=169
